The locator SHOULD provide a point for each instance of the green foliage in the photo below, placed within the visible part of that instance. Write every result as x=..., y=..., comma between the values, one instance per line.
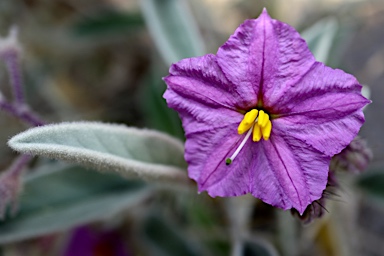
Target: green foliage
x=320, y=38
x=253, y=248
x=132, y=152
x=372, y=182
x=66, y=198
x=166, y=240
x=107, y=23
x=156, y=111
x=173, y=29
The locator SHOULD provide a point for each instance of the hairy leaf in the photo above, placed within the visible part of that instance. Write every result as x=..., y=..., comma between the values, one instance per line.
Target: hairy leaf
x=150, y=155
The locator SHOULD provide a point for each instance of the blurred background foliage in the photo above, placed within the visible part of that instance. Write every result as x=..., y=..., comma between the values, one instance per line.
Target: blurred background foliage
x=104, y=60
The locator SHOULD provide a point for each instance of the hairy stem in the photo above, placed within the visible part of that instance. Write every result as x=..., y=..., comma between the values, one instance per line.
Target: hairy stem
x=11, y=59
x=10, y=184
x=23, y=112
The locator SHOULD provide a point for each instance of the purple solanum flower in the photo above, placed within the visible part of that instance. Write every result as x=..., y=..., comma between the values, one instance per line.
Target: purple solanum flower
x=86, y=241
x=264, y=82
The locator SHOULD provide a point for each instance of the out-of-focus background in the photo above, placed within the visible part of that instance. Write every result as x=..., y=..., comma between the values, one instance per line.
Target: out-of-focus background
x=104, y=60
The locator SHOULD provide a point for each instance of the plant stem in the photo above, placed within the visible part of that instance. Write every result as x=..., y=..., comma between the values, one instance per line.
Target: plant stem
x=10, y=184
x=11, y=59
x=23, y=112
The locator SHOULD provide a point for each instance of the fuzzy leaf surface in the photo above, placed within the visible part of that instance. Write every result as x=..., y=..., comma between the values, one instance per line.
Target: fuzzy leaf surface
x=132, y=152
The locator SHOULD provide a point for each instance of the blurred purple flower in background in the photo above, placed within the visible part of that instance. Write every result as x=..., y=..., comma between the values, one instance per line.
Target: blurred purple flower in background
x=88, y=242
x=264, y=82
x=355, y=158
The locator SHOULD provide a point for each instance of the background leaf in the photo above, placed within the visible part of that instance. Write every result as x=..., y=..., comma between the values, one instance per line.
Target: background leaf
x=258, y=248
x=372, y=182
x=132, y=152
x=66, y=198
x=155, y=109
x=173, y=29
x=165, y=239
x=320, y=37
x=107, y=23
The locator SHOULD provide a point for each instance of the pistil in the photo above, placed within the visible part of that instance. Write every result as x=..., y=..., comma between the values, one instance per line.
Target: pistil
x=254, y=121
x=228, y=161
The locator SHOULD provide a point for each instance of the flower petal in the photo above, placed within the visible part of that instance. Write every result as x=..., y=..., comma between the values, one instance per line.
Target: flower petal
x=324, y=109
x=315, y=112
x=282, y=171
x=328, y=137
x=264, y=56
x=206, y=152
x=202, y=79
x=206, y=102
x=291, y=174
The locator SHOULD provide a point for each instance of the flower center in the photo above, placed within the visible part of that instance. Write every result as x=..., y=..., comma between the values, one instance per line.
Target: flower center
x=255, y=122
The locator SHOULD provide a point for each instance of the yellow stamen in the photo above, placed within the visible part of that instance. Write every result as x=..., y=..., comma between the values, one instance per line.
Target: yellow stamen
x=247, y=121
x=266, y=131
x=228, y=161
x=256, y=132
x=256, y=123
x=263, y=118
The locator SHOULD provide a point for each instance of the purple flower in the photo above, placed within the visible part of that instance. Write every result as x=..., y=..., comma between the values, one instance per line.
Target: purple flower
x=88, y=242
x=264, y=82
x=355, y=158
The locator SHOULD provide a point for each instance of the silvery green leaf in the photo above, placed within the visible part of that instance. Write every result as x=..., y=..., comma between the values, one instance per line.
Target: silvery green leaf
x=239, y=211
x=164, y=239
x=288, y=234
x=260, y=247
x=366, y=92
x=320, y=37
x=132, y=152
x=66, y=198
x=159, y=115
x=173, y=29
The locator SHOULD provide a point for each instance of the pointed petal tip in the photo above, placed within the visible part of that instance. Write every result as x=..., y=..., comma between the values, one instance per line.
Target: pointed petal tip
x=265, y=13
x=265, y=10
x=301, y=211
x=166, y=78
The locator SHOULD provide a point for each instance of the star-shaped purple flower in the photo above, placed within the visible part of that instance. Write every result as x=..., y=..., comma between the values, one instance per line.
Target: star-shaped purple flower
x=264, y=82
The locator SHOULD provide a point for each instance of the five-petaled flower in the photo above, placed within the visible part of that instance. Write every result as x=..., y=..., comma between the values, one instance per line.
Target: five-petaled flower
x=262, y=116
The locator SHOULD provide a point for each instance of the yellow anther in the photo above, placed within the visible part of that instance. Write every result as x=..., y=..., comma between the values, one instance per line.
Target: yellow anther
x=263, y=119
x=266, y=131
x=243, y=127
x=256, y=132
x=250, y=116
x=247, y=121
x=258, y=126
